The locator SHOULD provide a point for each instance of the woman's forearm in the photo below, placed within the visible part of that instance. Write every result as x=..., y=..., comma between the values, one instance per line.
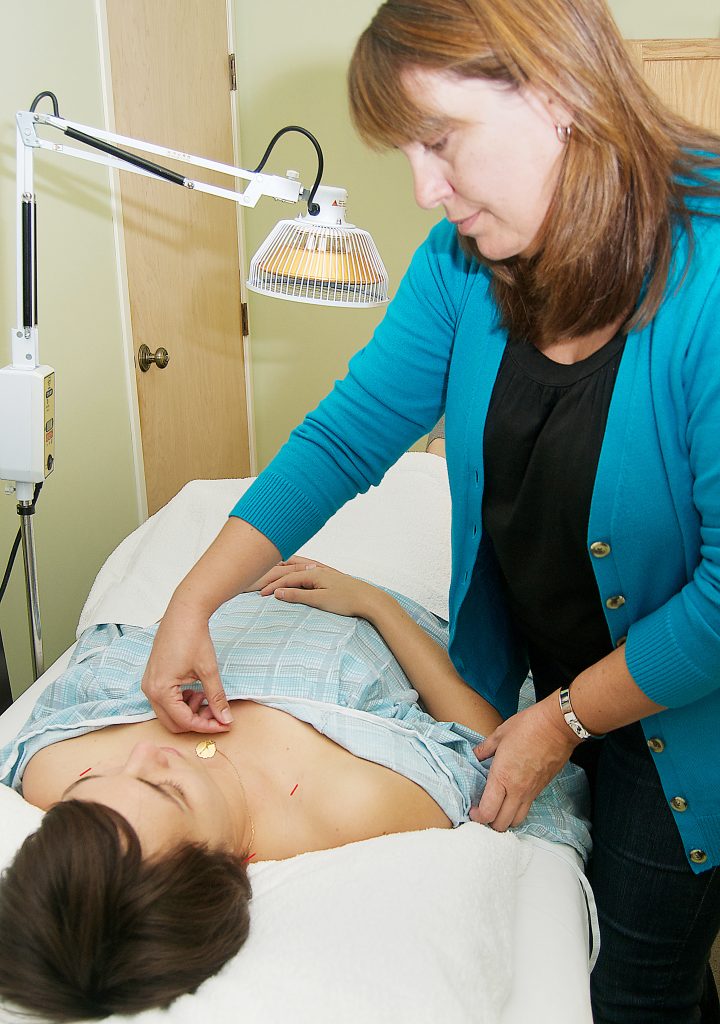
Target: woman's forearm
x=605, y=696
x=182, y=651
x=428, y=667
x=531, y=747
x=237, y=557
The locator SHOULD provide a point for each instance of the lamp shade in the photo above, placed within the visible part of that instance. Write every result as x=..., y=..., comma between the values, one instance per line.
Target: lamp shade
x=321, y=259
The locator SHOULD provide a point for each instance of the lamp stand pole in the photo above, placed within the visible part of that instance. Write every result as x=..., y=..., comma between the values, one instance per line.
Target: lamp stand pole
x=26, y=511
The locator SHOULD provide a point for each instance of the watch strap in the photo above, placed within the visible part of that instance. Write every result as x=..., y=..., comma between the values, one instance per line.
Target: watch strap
x=571, y=718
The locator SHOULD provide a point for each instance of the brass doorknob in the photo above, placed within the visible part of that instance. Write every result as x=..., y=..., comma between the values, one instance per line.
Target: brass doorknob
x=146, y=358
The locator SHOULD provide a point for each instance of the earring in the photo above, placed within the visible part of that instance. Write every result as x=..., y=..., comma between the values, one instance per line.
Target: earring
x=564, y=131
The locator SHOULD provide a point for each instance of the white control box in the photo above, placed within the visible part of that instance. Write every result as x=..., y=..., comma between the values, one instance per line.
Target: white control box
x=27, y=424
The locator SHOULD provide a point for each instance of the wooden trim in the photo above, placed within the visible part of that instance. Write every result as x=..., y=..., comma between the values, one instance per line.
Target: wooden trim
x=675, y=49
x=233, y=15
x=120, y=266
x=635, y=50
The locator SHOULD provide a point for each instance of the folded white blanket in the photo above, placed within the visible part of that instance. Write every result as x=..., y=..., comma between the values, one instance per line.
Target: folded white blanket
x=378, y=536
x=357, y=912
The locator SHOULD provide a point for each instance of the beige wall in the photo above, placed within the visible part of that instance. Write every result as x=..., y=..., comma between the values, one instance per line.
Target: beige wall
x=291, y=67
x=667, y=19
x=89, y=503
x=291, y=63
x=291, y=70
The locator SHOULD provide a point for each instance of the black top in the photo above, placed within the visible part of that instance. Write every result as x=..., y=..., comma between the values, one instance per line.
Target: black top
x=543, y=435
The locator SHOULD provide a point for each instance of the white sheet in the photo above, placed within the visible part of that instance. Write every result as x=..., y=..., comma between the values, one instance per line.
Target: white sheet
x=404, y=928
x=397, y=535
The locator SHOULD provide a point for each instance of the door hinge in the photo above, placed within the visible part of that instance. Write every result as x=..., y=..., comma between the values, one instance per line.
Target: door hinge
x=245, y=321
x=233, y=73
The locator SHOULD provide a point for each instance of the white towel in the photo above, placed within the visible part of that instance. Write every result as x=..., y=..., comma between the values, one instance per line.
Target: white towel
x=410, y=927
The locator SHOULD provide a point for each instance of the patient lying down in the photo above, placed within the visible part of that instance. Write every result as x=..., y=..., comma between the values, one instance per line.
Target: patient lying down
x=135, y=888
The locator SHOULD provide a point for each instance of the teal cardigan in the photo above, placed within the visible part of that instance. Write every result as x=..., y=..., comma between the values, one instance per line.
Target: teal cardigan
x=656, y=500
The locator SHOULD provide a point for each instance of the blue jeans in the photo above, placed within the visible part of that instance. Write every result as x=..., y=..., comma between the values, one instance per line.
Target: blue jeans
x=658, y=919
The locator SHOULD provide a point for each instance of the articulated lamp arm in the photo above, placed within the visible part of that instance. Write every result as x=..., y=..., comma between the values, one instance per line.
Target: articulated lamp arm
x=318, y=258
x=27, y=388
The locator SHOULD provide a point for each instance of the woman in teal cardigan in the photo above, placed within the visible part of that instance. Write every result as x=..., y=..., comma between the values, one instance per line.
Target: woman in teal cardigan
x=564, y=317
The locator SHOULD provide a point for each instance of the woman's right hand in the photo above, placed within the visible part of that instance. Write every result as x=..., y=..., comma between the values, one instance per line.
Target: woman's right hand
x=182, y=654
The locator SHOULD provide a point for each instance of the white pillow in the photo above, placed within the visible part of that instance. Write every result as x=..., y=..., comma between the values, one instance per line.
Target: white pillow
x=18, y=819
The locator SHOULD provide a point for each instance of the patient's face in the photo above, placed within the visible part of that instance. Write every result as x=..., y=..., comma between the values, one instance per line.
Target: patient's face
x=169, y=798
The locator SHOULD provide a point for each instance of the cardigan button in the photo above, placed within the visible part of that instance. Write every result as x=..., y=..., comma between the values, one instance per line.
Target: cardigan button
x=599, y=549
x=698, y=856
x=679, y=803
x=617, y=601
x=656, y=744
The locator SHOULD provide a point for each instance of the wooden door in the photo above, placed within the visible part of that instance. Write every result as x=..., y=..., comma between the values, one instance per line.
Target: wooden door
x=685, y=73
x=171, y=85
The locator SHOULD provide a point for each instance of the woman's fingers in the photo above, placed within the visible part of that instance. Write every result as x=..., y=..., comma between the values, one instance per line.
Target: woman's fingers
x=272, y=574
x=194, y=699
x=521, y=815
x=492, y=800
x=488, y=746
x=214, y=691
x=503, y=813
x=307, y=579
x=527, y=754
x=183, y=653
x=499, y=808
x=505, y=816
x=178, y=722
x=305, y=594
x=278, y=573
x=178, y=715
x=281, y=571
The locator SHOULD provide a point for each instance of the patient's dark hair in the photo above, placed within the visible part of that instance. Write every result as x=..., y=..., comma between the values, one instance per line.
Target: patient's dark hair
x=88, y=928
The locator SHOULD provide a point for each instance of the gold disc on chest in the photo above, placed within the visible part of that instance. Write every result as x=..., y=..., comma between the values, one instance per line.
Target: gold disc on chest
x=205, y=748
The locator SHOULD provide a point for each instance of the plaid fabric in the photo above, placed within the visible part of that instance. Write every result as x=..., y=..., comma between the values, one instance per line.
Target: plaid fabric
x=334, y=672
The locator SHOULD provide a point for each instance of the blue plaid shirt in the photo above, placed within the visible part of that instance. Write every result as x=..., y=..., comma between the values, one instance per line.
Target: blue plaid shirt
x=332, y=671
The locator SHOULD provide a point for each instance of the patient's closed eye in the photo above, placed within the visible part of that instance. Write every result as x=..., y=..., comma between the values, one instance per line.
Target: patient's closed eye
x=157, y=786
x=173, y=785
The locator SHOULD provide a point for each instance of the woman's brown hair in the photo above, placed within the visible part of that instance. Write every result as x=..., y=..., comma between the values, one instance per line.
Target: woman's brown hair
x=88, y=928
x=629, y=170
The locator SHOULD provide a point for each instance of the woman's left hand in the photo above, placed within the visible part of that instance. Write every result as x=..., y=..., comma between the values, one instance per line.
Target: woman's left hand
x=298, y=563
x=528, y=751
x=322, y=587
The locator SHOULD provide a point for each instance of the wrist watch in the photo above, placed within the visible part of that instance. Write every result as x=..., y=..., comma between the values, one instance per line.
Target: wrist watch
x=571, y=718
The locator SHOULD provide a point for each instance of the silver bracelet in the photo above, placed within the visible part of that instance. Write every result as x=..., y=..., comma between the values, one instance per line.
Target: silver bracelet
x=571, y=718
